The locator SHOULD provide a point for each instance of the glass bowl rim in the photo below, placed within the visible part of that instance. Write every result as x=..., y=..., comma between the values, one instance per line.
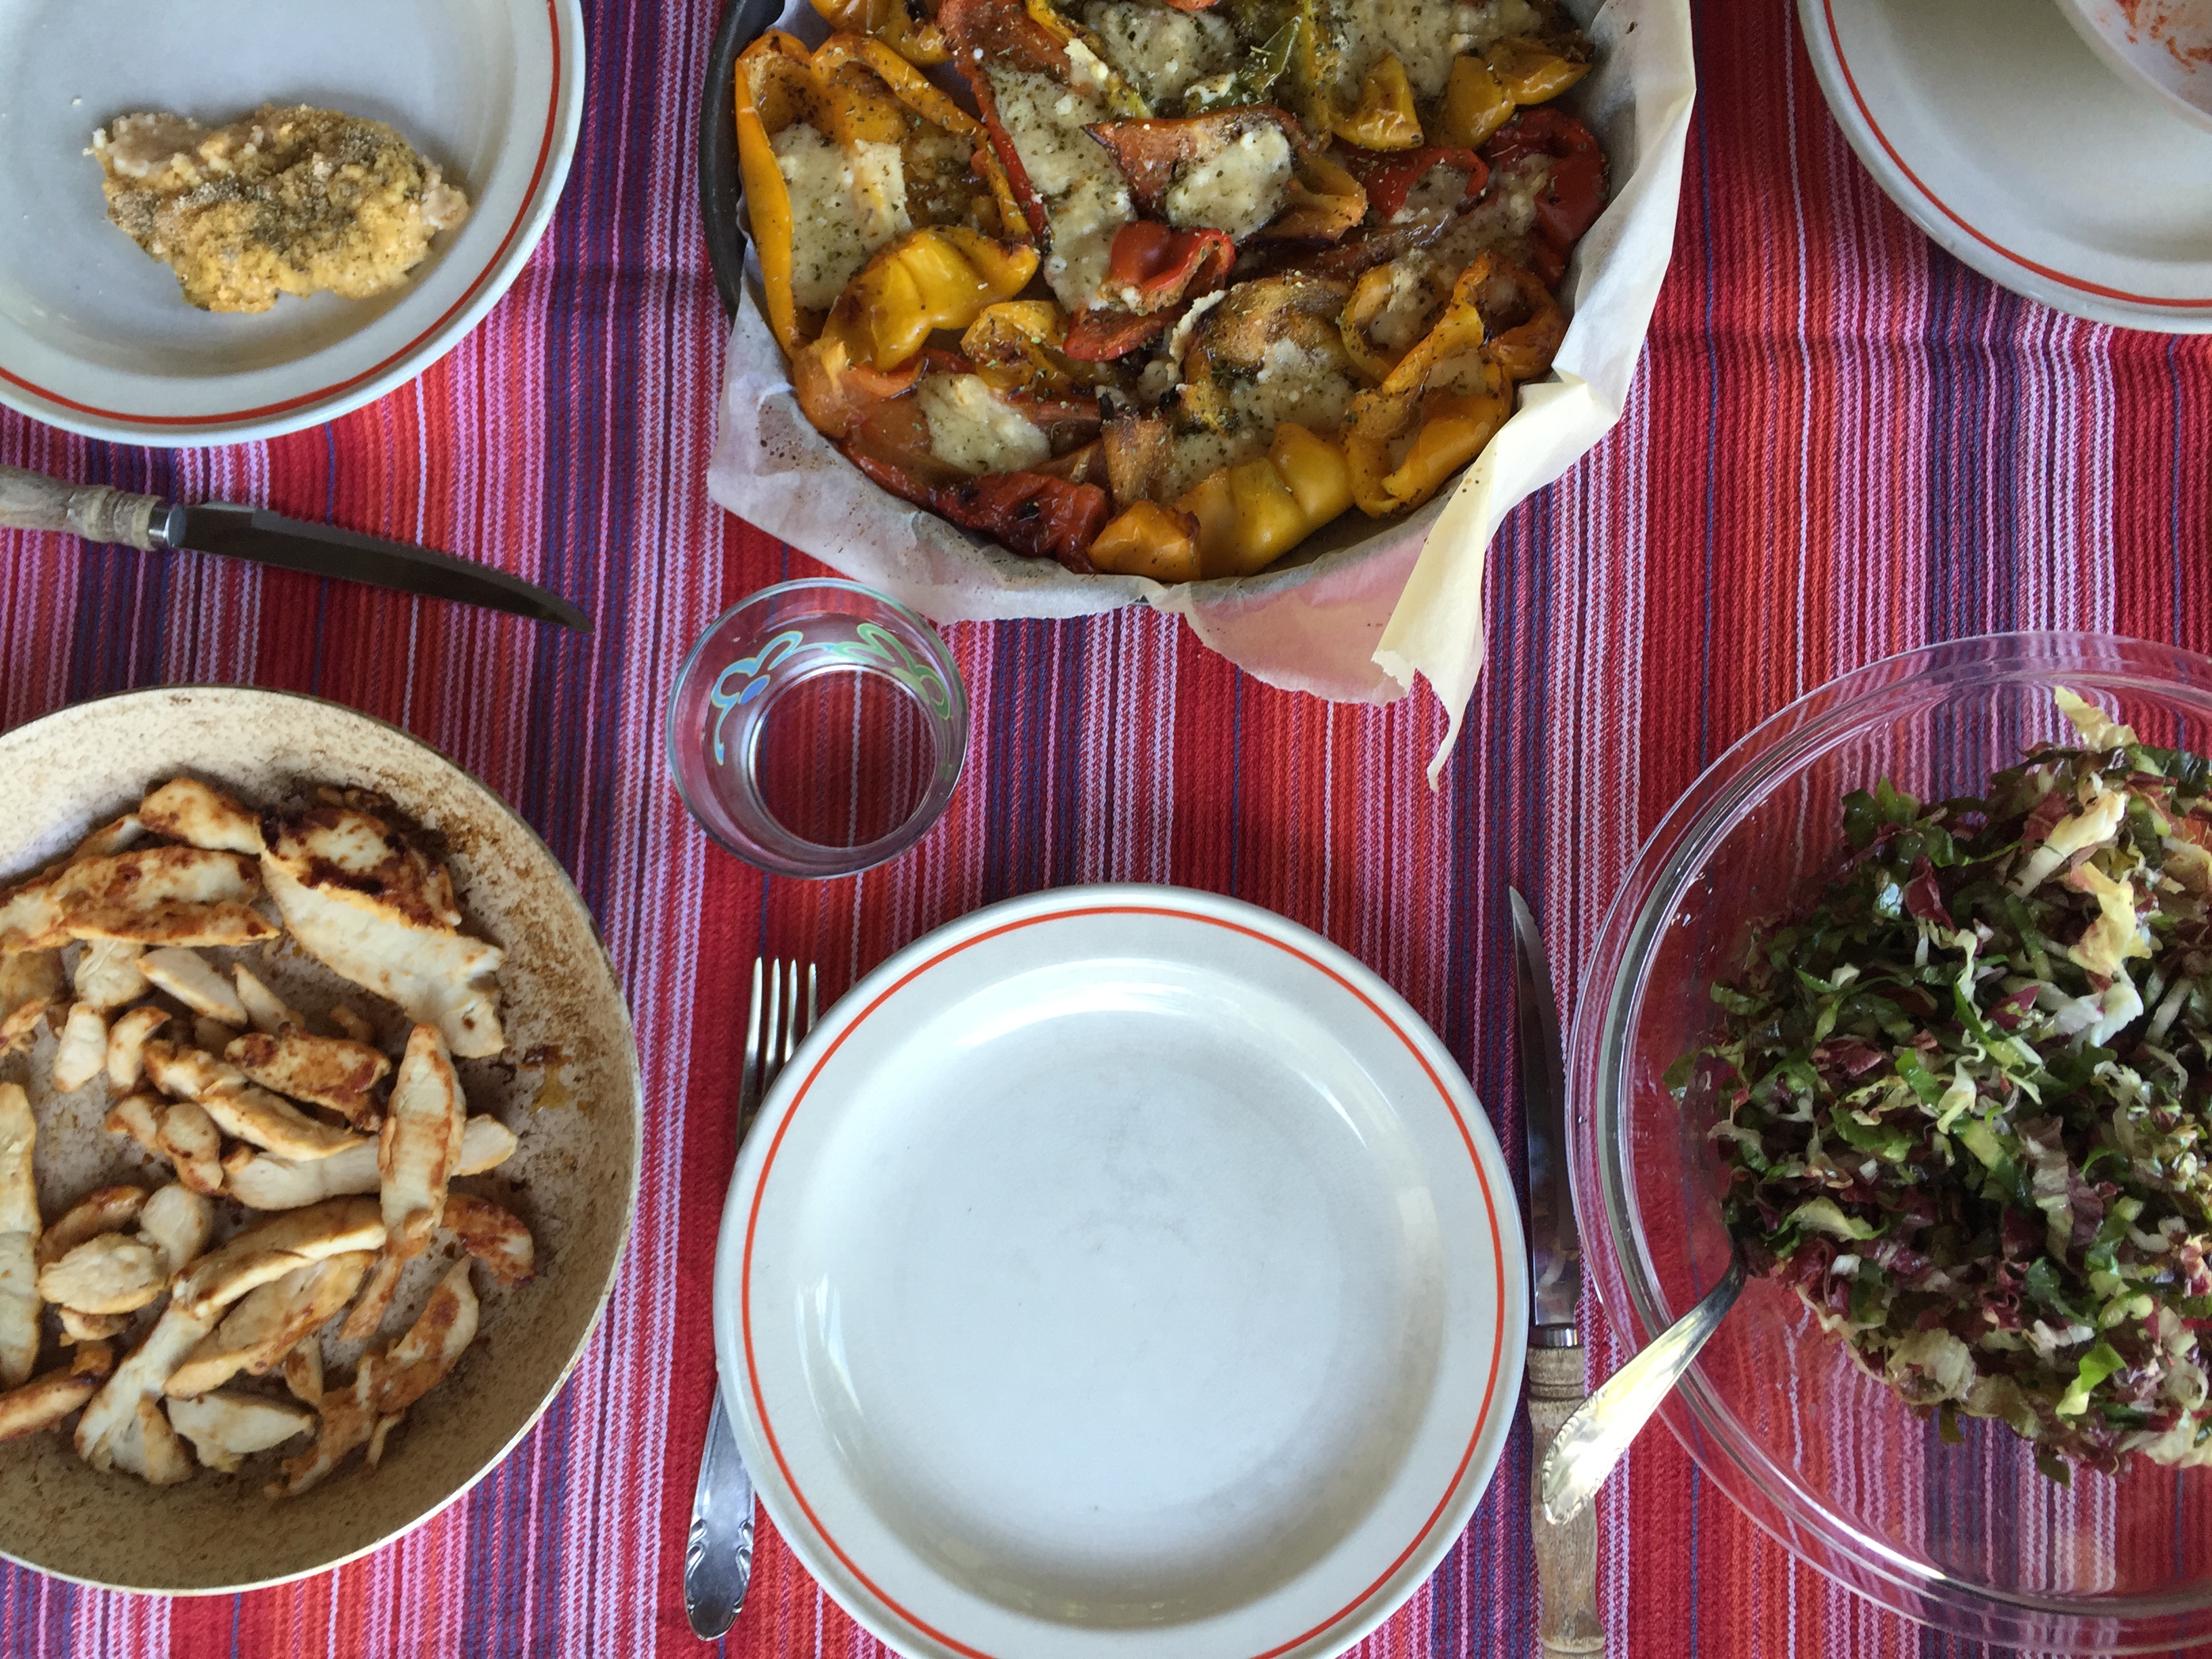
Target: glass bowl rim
x=1611, y=994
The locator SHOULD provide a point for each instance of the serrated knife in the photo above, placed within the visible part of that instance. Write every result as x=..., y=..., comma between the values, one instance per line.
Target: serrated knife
x=101, y=512
x=1566, y=1554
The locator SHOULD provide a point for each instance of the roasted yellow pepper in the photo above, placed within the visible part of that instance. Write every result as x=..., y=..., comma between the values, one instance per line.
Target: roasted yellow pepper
x=1249, y=516
x=1484, y=91
x=1384, y=119
x=943, y=277
x=854, y=91
x=918, y=40
x=1532, y=72
x=776, y=87
x=1475, y=106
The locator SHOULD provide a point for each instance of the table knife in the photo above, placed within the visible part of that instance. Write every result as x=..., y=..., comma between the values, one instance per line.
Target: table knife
x=1566, y=1554
x=101, y=512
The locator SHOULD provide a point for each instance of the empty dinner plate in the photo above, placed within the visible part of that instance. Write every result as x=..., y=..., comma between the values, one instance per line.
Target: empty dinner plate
x=2003, y=136
x=95, y=335
x=1119, y=1271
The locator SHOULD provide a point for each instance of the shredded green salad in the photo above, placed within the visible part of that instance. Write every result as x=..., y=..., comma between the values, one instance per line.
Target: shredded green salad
x=1962, y=1100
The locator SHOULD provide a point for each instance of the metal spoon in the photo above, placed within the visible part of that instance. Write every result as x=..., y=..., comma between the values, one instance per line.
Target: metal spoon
x=1595, y=1438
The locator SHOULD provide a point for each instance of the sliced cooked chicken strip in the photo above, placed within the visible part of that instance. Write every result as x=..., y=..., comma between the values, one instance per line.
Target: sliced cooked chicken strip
x=192, y=980
x=200, y=815
x=83, y=1328
x=156, y=894
x=303, y=1370
x=109, y=1274
x=270, y=1248
x=102, y=1210
x=30, y=983
x=379, y=912
x=107, y=974
x=189, y=1138
x=19, y=1237
x=126, y=1045
x=493, y=1235
x=178, y=1223
x=45, y=1400
x=263, y=1007
x=263, y=1182
x=226, y=1429
x=81, y=1054
x=113, y=1412
x=333, y=1072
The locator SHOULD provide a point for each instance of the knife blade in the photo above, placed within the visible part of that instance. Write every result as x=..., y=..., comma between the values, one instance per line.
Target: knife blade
x=100, y=513
x=1566, y=1552
x=1555, y=1249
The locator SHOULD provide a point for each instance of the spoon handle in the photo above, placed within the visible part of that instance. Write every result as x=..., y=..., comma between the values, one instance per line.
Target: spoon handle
x=1566, y=1552
x=1592, y=1441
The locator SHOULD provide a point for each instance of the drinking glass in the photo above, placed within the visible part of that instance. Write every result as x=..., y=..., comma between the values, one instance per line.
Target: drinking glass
x=817, y=729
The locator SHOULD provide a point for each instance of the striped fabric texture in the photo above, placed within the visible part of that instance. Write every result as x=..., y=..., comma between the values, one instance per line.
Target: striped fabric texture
x=1844, y=443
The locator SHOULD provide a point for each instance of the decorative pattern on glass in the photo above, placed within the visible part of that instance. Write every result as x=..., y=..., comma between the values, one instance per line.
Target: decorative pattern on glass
x=874, y=649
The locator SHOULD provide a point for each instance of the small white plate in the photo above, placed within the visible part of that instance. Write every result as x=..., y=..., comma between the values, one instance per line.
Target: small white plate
x=1121, y=1270
x=1995, y=129
x=94, y=336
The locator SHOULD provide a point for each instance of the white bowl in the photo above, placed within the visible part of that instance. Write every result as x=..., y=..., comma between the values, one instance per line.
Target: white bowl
x=95, y=335
x=2162, y=46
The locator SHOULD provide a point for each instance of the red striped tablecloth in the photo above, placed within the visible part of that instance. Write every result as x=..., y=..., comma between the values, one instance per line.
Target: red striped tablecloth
x=1844, y=443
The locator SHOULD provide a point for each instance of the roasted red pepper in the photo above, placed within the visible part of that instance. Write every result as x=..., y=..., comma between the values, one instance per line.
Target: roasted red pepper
x=1152, y=266
x=1570, y=202
x=1038, y=516
x=1099, y=336
x=1390, y=179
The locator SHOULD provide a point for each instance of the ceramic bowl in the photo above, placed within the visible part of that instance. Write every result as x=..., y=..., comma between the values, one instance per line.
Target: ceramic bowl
x=567, y=1086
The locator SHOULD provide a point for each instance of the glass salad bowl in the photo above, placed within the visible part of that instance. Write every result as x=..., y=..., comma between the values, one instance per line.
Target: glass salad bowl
x=1969, y=1537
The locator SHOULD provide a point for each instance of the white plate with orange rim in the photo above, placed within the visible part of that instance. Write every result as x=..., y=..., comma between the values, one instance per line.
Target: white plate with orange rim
x=1999, y=132
x=1121, y=1271
x=95, y=335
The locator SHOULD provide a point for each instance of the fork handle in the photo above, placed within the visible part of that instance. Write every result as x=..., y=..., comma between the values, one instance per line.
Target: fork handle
x=1566, y=1554
x=718, y=1552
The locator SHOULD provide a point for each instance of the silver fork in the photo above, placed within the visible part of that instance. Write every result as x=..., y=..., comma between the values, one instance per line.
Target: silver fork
x=718, y=1555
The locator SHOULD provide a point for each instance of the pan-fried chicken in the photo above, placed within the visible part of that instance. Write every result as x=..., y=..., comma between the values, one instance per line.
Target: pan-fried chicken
x=378, y=910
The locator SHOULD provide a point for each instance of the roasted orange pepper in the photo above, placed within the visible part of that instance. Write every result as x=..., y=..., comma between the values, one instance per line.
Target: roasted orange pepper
x=1321, y=201
x=917, y=39
x=1447, y=398
x=942, y=277
x=1384, y=119
x=1149, y=540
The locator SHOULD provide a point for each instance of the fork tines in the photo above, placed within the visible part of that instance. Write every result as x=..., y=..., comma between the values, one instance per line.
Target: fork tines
x=773, y=1026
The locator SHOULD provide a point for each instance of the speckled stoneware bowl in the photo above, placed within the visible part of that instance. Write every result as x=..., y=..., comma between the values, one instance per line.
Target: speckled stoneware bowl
x=567, y=1086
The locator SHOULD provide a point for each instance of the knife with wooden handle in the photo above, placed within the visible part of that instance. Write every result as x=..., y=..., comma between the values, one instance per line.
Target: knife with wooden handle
x=1566, y=1554
x=101, y=512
